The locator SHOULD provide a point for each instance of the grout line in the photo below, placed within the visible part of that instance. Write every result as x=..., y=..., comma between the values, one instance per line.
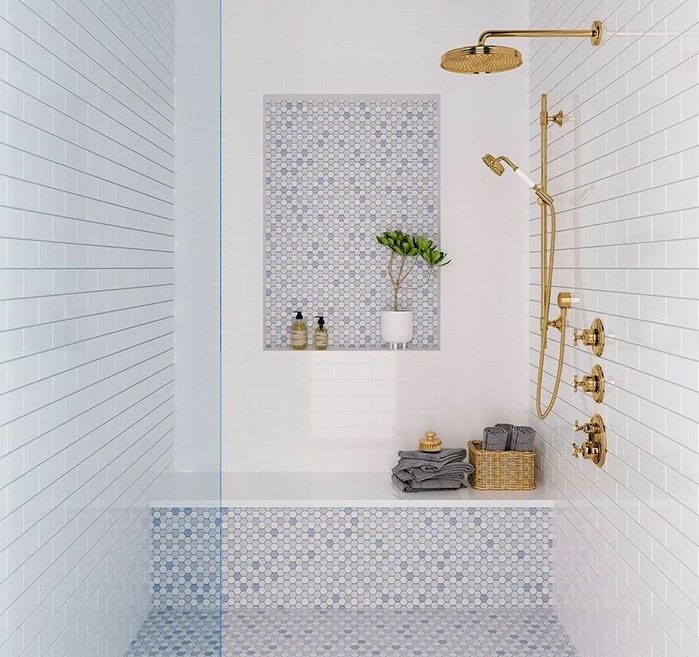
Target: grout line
x=96, y=199
x=627, y=145
x=595, y=530
x=98, y=109
x=149, y=395
x=85, y=221
x=94, y=383
x=76, y=318
x=87, y=245
x=105, y=533
x=97, y=291
x=87, y=362
x=551, y=374
x=133, y=35
x=78, y=122
x=124, y=87
x=56, y=505
x=36, y=153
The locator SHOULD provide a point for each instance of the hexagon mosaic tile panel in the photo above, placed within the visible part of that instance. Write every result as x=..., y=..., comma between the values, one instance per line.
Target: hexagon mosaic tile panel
x=342, y=633
x=353, y=557
x=338, y=171
x=186, y=557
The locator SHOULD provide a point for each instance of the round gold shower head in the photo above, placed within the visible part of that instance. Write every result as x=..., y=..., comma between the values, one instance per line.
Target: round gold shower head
x=493, y=164
x=481, y=59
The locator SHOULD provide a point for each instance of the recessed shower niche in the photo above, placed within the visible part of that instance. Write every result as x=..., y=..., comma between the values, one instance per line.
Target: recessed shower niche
x=339, y=170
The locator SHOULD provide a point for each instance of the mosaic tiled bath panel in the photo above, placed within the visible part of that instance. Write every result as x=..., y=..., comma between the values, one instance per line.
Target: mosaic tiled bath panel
x=338, y=171
x=359, y=557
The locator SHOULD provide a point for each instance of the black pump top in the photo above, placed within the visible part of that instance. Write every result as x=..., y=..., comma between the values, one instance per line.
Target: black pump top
x=321, y=321
x=299, y=314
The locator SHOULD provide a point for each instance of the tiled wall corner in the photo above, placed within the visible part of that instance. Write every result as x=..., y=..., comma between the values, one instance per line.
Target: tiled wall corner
x=197, y=238
x=86, y=317
x=623, y=170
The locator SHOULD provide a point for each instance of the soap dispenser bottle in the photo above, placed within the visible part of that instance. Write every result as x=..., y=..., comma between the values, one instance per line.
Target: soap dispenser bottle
x=320, y=335
x=299, y=333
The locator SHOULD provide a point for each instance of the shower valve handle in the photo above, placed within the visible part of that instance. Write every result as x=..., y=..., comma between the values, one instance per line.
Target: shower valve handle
x=595, y=447
x=592, y=384
x=586, y=382
x=592, y=337
x=588, y=450
x=586, y=427
x=586, y=336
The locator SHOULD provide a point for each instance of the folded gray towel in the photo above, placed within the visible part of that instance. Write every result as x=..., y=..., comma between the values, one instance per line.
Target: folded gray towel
x=450, y=454
x=430, y=484
x=426, y=466
x=523, y=439
x=418, y=470
x=510, y=433
x=450, y=471
x=495, y=438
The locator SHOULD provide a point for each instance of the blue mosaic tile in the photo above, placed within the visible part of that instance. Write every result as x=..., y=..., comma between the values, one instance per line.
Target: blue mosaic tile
x=179, y=633
x=339, y=170
x=534, y=632
x=353, y=557
x=185, y=557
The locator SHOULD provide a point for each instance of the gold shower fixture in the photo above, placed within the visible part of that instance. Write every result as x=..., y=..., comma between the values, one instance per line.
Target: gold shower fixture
x=592, y=384
x=547, y=253
x=592, y=337
x=483, y=58
x=595, y=447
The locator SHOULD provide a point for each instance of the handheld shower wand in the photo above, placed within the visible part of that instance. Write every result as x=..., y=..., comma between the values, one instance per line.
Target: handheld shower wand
x=495, y=165
x=548, y=249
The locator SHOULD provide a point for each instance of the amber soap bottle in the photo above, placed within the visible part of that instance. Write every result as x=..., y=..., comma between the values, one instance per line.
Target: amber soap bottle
x=320, y=335
x=299, y=333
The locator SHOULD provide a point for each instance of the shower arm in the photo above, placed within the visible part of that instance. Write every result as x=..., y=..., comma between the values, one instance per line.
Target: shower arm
x=594, y=34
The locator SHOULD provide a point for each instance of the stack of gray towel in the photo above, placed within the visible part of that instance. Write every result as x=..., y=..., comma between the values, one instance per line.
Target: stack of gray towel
x=508, y=437
x=419, y=471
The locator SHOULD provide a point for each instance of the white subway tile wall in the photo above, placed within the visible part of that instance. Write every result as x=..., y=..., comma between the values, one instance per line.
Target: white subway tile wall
x=86, y=316
x=623, y=170
x=351, y=410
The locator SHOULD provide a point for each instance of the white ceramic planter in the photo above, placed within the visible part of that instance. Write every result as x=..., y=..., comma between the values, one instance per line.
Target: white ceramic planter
x=396, y=327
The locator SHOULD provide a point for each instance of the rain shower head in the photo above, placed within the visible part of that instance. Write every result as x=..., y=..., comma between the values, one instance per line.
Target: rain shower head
x=482, y=58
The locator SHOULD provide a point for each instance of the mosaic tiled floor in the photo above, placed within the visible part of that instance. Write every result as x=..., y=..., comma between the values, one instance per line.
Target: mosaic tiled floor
x=353, y=633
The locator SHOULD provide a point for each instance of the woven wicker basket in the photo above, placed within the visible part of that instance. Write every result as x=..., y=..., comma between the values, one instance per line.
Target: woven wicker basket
x=496, y=470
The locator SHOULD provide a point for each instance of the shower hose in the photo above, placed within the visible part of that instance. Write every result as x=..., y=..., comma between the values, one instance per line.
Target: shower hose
x=546, y=294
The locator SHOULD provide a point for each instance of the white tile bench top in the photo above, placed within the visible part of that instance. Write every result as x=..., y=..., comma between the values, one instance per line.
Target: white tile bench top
x=323, y=489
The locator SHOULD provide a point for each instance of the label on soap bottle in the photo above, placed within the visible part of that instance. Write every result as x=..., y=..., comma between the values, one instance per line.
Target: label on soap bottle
x=299, y=338
x=320, y=339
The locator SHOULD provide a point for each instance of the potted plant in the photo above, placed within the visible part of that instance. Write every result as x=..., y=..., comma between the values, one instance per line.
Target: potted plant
x=407, y=251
